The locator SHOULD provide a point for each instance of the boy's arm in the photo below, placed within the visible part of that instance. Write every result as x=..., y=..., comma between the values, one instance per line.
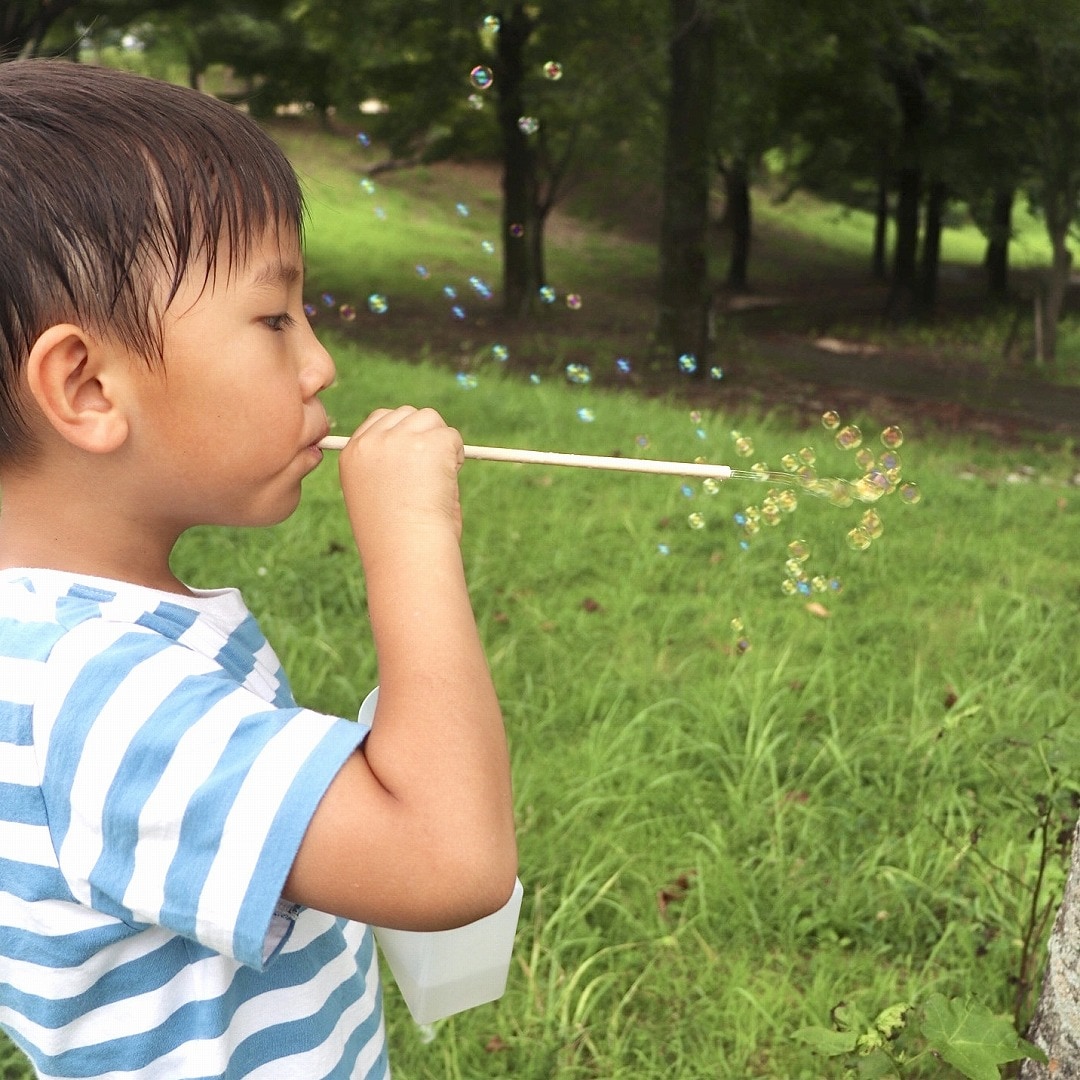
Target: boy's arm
x=416, y=831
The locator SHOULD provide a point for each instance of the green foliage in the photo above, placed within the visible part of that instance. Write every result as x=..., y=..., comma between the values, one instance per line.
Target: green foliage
x=960, y=1032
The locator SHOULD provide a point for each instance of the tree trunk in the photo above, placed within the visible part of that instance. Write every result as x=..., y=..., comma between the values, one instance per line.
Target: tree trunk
x=1056, y=1024
x=521, y=228
x=931, y=248
x=997, y=245
x=879, y=255
x=685, y=293
x=738, y=220
x=1058, y=214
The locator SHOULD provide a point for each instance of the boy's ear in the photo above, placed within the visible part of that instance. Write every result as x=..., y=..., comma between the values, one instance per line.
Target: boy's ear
x=77, y=384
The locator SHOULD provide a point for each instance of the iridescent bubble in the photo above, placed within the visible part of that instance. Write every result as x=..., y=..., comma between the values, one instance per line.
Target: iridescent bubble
x=480, y=287
x=553, y=70
x=487, y=247
x=476, y=101
x=578, y=374
x=573, y=301
x=739, y=517
x=858, y=539
x=467, y=380
x=771, y=514
x=500, y=353
x=363, y=138
x=380, y=213
x=744, y=446
x=663, y=549
x=458, y=312
x=737, y=625
x=586, y=415
x=799, y=549
x=328, y=299
x=547, y=294
x=449, y=292
x=807, y=455
x=695, y=416
x=787, y=501
x=807, y=474
x=849, y=437
x=310, y=311
x=534, y=379
x=752, y=513
x=347, y=313
x=491, y=24
x=422, y=271
x=842, y=493
x=864, y=457
x=378, y=304
x=872, y=523
x=830, y=420
x=716, y=373
x=892, y=437
x=710, y=485
x=760, y=468
x=910, y=494
x=642, y=441
x=788, y=587
x=481, y=77
x=516, y=231
x=789, y=463
x=794, y=569
x=889, y=461
x=751, y=528
x=701, y=433
x=696, y=520
x=367, y=186
x=686, y=491
x=819, y=583
x=836, y=585
x=528, y=125
x=462, y=209
x=622, y=365
x=688, y=363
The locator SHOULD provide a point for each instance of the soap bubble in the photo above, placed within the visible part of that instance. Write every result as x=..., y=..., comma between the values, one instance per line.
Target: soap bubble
x=789, y=463
x=516, y=231
x=910, y=494
x=500, y=353
x=799, y=549
x=462, y=209
x=892, y=437
x=458, y=312
x=711, y=485
x=836, y=585
x=787, y=501
x=849, y=437
x=378, y=304
x=467, y=380
x=701, y=433
x=663, y=549
x=872, y=523
x=819, y=583
x=695, y=416
x=889, y=462
x=744, y=446
x=553, y=70
x=830, y=420
x=380, y=213
x=534, y=379
x=363, y=138
x=328, y=299
x=760, y=468
x=807, y=455
x=586, y=415
x=476, y=101
x=491, y=24
x=310, y=310
x=771, y=514
x=864, y=457
x=449, y=292
x=578, y=374
x=696, y=520
x=788, y=587
x=481, y=77
x=422, y=271
x=528, y=125
x=573, y=301
x=794, y=569
x=622, y=365
x=547, y=294
x=367, y=186
x=737, y=625
x=858, y=539
x=716, y=373
x=642, y=441
x=347, y=313
x=487, y=247
x=688, y=363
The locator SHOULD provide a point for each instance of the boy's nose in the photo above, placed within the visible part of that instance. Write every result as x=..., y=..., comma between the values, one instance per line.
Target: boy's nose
x=319, y=370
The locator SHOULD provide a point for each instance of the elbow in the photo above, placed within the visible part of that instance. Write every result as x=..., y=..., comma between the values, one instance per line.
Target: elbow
x=486, y=881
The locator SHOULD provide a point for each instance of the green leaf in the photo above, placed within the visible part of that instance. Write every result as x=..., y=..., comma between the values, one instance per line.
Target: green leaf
x=890, y=1022
x=970, y=1037
x=826, y=1041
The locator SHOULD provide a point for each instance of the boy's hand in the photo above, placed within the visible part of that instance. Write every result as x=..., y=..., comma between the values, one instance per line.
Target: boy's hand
x=399, y=471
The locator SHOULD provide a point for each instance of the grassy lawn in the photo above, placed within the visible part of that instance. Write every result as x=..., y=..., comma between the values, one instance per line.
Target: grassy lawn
x=718, y=843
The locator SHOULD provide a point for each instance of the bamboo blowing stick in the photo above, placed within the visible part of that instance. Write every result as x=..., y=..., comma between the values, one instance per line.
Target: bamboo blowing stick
x=578, y=461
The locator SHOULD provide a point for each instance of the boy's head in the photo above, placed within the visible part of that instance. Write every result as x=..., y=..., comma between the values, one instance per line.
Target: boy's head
x=113, y=188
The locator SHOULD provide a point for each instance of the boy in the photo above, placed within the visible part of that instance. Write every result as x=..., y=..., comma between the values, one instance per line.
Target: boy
x=188, y=860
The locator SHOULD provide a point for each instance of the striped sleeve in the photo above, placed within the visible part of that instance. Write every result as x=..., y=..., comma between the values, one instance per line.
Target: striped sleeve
x=177, y=797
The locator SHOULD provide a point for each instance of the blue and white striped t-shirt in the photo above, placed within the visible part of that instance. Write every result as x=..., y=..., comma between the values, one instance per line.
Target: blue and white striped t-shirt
x=156, y=779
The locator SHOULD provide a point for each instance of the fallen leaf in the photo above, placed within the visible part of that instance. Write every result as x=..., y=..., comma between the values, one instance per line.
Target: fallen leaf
x=495, y=1044
x=590, y=605
x=820, y=610
x=674, y=891
x=950, y=698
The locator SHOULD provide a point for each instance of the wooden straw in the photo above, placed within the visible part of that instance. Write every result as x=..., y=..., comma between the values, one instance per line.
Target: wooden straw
x=577, y=461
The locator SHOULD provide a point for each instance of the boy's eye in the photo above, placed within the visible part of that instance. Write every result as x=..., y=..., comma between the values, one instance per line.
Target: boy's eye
x=277, y=323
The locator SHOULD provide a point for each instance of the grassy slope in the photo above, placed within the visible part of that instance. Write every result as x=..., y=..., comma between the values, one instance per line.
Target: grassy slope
x=816, y=796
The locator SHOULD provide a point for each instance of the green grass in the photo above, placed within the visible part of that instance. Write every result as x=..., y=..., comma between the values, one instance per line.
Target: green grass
x=717, y=846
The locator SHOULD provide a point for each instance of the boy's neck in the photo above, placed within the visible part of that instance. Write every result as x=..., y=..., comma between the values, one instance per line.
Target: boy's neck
x=82, y=532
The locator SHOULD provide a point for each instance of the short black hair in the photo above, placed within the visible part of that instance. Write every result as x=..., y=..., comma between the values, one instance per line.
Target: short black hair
x=111, y=184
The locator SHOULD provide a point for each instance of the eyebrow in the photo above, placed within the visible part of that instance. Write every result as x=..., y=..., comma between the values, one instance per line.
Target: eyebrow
x=276, y=274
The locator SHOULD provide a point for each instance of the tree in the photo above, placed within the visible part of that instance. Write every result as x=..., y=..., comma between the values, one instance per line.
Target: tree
x=24, y=24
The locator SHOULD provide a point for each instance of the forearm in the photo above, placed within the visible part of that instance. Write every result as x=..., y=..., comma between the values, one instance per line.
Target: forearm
x=438, y=744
